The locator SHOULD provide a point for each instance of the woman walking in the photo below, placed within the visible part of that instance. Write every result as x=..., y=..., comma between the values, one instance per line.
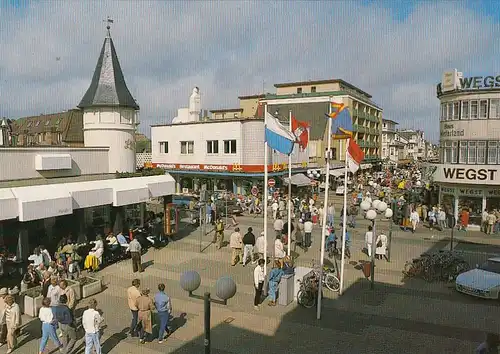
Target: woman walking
x=13, y=322
x=46, y=316
x=258, y=278
x=145, y=306
x=274, y=279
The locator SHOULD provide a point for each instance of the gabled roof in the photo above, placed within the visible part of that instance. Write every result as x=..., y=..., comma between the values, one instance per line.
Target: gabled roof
x=108, y=87
x=69, y=124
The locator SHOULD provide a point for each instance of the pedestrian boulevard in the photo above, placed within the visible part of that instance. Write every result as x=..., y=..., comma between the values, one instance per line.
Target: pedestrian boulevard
x=396, y=317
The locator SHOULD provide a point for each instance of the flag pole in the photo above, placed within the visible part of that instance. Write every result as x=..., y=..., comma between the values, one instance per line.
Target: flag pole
x=325, y=206
x=289, y=191
x=344, y=221
x=266, y=162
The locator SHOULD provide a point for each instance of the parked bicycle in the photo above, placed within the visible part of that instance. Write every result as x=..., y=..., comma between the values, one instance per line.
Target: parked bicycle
x=307, y=294
x=441, y=266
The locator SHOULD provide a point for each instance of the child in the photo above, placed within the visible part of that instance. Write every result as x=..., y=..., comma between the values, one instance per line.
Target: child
x=73, y=269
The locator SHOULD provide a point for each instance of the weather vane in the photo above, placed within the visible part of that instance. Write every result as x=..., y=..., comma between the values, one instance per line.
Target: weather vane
x=108, y=21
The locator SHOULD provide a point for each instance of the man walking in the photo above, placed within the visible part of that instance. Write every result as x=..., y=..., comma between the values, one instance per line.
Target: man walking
x=164, y=308
x=369, y=240
x=248, y=243
x=91, y=323
x=3, y=325
x=235, y=242
x=278, y=226
x=219, y=234
x=64, y=317
x=13, y=322
x=133, y=293
x=135, y=251
x=308, y=226
x=70, y=295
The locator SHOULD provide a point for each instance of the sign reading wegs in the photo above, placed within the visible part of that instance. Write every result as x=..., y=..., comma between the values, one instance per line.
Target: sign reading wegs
x=478, y=82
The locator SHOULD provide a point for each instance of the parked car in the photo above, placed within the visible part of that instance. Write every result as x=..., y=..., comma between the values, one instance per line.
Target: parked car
x=483, y=281
x=232, y=208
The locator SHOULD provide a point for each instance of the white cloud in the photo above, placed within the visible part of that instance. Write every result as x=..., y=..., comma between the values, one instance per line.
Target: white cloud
x=229, y=48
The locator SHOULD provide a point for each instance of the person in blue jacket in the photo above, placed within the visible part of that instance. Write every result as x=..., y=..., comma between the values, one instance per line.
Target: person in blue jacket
x=274, y=279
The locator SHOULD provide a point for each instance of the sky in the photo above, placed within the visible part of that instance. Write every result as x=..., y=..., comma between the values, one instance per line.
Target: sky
x=395, y=50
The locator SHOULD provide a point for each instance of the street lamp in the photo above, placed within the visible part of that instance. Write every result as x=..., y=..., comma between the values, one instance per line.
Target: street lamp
x=371, y=210
x=225, y=288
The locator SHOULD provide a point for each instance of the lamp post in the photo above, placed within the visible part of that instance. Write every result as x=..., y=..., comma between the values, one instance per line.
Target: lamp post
x=371, y=214
x=225, y=288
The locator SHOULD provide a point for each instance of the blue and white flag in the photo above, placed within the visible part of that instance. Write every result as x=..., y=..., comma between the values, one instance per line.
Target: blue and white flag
x=278, y=137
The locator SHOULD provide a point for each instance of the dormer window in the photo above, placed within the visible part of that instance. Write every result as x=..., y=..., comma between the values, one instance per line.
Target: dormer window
x=37, y=123
x=29, y=124
x=47, y=122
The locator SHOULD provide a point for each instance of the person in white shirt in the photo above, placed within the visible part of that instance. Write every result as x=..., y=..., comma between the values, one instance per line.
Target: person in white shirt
x=369, y=240
x=46, y=316
x=415, y=219
x=484, y=221
x=279, y=251
x=331, y=214
x=275, y=207
x=278, y=226
x=91, y=323
x=441, y=219
x=98, y=249
x=380, y=251
x=258, y=280
x=281, y=206
x=54, y=292
x=260, y=246
x=308, y=226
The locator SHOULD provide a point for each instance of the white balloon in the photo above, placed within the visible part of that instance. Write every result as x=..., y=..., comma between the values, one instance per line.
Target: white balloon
x=370, y=183
x=365, y=205
x=388, y=213
x=309, y=172
x=419, y=184
x=375, y=203
x=382, y=206
x=371, y=214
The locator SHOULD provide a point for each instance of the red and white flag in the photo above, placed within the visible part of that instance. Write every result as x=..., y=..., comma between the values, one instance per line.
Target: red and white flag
x=354, y=156
x=301, y=132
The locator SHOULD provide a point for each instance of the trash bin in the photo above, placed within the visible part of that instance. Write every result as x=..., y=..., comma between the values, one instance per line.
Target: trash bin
x=285, y=289
x=367, y=269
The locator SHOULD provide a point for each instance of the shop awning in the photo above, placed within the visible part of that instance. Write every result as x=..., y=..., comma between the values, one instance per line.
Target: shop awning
x=299, y=180
x=90, y=194
x=8, y=205
x=128, y=191
x=160, y=186
x=45, y=201
x=338, y=172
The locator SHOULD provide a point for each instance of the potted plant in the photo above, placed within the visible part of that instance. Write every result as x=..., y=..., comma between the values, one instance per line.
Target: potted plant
x=90, y=286
x=77, y=287
x=32, y=300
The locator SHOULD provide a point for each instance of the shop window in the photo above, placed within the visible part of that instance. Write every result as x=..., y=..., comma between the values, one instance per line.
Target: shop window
x=163, y=147
x=481, y=152
x=187, y=147
x=483, y=109
x=212, y=146
x=493, y=203
x=463, y=153
x=474, y=205
x=465, y=110
x=474, y=110
x=456, y=110
x=492, y=152
x=471, y=152
x=299, y=89
x=229, y=146
x=495, y=108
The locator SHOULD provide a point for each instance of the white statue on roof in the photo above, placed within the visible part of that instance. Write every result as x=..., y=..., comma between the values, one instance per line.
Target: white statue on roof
x=192, y=113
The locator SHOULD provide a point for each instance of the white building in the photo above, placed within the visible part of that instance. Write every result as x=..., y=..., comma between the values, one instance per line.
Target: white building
x=49, y=192
x=416, y=143
x=218, y=154
x=392, y=144
x=469, y=173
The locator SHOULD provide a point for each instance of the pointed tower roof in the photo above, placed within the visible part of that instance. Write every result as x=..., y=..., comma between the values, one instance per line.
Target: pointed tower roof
x=108, y=87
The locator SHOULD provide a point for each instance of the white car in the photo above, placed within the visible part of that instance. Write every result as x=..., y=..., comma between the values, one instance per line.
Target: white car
x=483, y=281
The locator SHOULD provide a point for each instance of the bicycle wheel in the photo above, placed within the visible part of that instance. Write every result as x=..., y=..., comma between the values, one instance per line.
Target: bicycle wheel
x=305, y=298
x=332, y=282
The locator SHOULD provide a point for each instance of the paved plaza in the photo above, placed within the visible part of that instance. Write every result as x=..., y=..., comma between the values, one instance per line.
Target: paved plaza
x=396, y=317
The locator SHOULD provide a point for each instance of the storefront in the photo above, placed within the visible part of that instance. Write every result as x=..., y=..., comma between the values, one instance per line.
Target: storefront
x=475, y=199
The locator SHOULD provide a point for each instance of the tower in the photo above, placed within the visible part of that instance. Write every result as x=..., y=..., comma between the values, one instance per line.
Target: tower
x=110, y=111
x=194, y=105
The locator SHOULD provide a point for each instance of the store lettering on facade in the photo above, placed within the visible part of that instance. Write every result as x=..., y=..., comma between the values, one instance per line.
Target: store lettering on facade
x=493, y=192
x=470, y=192
x=470, y=174
x=479, y=82
x=448, y=130
x=447, y=190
